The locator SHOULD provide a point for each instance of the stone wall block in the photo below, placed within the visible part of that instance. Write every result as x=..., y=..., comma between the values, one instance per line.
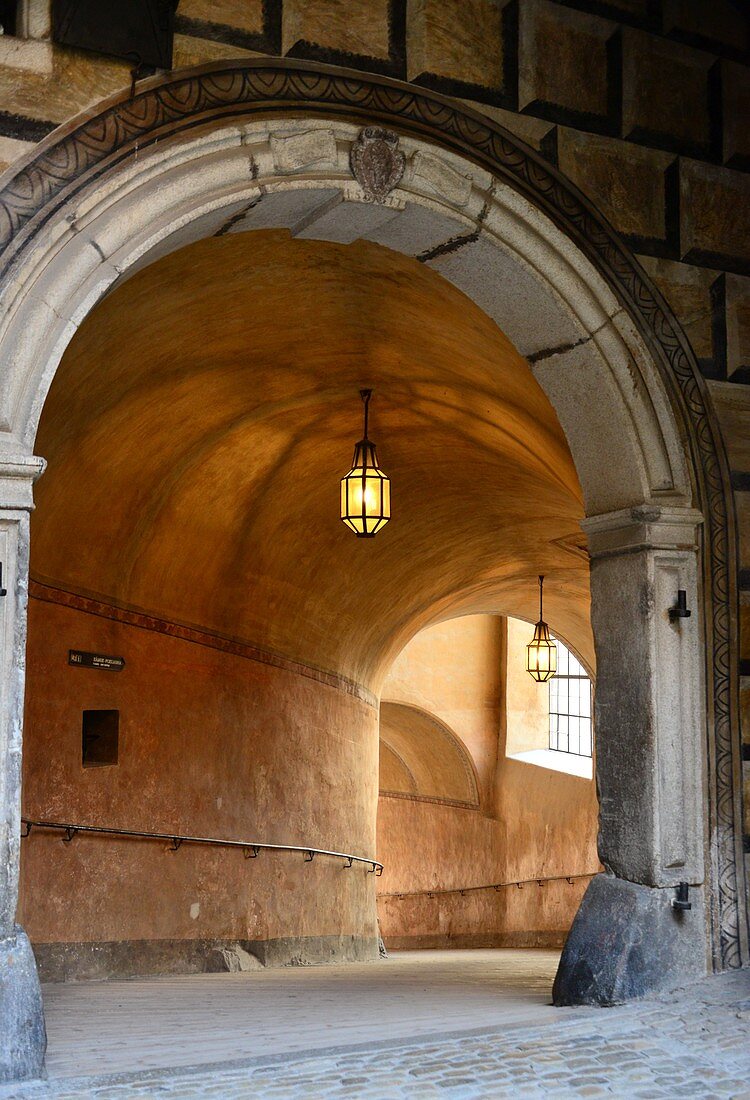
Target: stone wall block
x=626, y=182
x=49, y=83
x=244, y=15
x=339, y=25
x=687, y=289
x=647, y=706
x=439, y=179
x=290, y=209
x=715, y=216
x=297, y=152
x=347, y=222
x=736, y=301
x=34, y=19
x=732, y=405
x=735, y=97
x=718, y=23
x=566, y=66
x=23, y=1037
x=457, y=40
x=418, y=229
x=665, y=94
x=626, y=942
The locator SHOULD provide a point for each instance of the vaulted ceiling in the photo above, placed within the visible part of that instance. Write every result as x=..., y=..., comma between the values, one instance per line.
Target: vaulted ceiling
x=202, y=417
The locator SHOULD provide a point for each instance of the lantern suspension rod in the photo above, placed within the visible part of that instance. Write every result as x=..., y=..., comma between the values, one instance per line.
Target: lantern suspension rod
x=366, y=395
x=541, y=589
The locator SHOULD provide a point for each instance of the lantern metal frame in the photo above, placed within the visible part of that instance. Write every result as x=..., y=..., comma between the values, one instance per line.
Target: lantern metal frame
x=365, y=470
x=540, y=642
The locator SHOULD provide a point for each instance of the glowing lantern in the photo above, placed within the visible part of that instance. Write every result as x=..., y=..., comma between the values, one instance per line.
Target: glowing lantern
x=541, y=652
x=365, y=491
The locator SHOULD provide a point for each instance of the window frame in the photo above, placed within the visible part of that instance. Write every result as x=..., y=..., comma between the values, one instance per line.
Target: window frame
x=556, y=713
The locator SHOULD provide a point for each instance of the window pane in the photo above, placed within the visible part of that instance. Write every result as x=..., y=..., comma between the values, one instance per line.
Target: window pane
x=570, y=706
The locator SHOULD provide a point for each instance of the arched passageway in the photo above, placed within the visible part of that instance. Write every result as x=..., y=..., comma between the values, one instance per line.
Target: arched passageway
x=486, y=823
x=192, y=462
x=554, y=286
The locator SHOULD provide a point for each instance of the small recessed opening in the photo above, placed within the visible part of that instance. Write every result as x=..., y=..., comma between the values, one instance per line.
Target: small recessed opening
x=100, y=735
x=8, y=16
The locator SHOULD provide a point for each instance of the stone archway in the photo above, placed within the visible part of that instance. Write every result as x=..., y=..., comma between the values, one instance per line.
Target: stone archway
x=268, y=144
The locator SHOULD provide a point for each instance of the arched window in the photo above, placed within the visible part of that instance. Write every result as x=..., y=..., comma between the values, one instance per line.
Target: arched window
x=570, y=706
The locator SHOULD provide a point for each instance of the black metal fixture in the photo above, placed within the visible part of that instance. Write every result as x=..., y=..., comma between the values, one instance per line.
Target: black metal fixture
x=365, y=491
x=680, y=611
x=3, y=591
x=142, y=31
x=680, y=900
x=541, y=652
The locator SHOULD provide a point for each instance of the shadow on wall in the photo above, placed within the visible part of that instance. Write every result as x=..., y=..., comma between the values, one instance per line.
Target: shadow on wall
x=454, y=705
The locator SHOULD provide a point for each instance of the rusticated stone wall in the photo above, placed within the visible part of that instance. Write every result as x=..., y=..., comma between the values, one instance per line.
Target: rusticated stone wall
x=643, y=104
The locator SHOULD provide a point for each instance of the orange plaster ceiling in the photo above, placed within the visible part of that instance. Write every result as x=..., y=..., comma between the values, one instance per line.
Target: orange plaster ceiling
x=202, y=417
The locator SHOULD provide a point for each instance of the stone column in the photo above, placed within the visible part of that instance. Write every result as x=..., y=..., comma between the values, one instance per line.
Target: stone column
x=627, y=938
x=22, y=1034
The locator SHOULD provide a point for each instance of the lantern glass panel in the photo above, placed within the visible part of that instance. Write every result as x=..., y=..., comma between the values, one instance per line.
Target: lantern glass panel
x=541, y=654
x=365, y=493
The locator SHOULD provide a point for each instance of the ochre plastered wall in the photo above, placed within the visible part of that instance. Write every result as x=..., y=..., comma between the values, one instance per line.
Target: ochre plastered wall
x=211, y=744
x=531, y=822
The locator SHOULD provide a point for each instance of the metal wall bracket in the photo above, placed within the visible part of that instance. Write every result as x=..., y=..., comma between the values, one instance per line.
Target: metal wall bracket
x=680, y=611
x=3, y=591
x=680, y=900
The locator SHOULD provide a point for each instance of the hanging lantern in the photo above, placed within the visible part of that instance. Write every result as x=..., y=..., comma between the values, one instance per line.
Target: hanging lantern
x=541, y=652
x=365, y=491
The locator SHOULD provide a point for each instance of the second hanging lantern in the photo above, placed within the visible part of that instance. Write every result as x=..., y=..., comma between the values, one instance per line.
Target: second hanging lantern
x=541, y=652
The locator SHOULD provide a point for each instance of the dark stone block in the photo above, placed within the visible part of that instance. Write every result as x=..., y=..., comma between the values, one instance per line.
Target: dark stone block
x=627, y=942
x=23, y=1037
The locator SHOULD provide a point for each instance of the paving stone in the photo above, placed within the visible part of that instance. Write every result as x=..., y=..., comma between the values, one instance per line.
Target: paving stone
x=644, y=1051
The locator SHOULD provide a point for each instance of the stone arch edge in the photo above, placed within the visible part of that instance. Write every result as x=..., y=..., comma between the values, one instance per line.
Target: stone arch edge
x=94, y=144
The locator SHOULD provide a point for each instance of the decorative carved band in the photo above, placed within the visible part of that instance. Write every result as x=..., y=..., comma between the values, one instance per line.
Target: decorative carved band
x=74, y=155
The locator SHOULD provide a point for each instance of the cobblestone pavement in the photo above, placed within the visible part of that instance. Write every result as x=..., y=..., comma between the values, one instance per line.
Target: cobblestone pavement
x=695, y=1043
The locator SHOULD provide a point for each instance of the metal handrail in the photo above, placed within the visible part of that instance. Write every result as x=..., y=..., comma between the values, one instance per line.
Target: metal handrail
x=520, y=883
x=251, y=849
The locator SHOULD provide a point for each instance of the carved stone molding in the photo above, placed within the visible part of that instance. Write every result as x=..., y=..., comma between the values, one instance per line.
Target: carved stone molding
x=166, y=107
x=377, y=162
